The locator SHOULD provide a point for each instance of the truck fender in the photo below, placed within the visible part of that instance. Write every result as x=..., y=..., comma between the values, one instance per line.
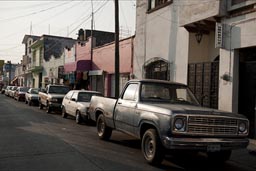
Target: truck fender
x=145, y=125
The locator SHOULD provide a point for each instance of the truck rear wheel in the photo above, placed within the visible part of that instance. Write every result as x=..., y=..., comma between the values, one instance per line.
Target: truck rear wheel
x=40, y=105
x=152, y=148
x=104, y=132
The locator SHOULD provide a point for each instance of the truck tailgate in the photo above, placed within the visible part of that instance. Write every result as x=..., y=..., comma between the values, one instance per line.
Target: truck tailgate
x=106, y=105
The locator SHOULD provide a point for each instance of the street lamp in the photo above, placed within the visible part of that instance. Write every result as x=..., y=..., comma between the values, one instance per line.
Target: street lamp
x=199, y=36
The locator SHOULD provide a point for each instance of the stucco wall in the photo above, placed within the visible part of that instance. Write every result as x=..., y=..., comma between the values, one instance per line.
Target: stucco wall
x=204, y=51
x=196, y=10
x=242, y=35
x=104, y=57
x=158, y=34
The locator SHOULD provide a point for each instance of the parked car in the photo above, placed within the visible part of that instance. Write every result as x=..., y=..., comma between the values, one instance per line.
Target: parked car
x=76, y=103
x=19, y=93
x=3, y=90
x=6, y=92
x=31, y=96
x=52, y=97
x=12, y=91
x=166, y=116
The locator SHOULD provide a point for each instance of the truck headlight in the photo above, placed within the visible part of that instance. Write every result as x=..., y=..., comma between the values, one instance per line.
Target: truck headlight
x=242, y=127
x=180, y=123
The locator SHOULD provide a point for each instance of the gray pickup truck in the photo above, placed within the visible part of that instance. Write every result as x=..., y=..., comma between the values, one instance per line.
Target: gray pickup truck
x=166, y=116
x=51, y=97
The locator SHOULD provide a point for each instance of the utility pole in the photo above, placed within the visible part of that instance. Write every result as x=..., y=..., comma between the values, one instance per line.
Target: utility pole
x=91, y=47
x=10, y=71
x=116, y=48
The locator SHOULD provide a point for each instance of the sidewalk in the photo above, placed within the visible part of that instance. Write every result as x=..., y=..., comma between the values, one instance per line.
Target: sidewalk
x=252, y=147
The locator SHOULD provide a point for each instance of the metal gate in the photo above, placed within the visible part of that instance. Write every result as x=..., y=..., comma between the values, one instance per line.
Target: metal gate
x=203, y=80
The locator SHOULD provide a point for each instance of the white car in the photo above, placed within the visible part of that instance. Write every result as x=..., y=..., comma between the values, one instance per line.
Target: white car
x=31, y=96
x=76, y=103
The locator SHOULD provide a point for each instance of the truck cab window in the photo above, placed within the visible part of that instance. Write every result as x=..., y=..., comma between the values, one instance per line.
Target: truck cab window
x=130, y=92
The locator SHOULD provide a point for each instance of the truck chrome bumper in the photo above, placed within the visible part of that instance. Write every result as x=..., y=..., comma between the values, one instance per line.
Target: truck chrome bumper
x=204, y=143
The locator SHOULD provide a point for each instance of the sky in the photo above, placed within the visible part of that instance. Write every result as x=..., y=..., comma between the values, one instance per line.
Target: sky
x=58, y=18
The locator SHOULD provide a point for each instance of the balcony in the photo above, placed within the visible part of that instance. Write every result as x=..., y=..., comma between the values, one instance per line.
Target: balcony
x=193, y=11
x=36, y=69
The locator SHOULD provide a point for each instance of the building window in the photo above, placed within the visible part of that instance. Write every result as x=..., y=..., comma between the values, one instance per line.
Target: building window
x=157, y=70
x=152, y=4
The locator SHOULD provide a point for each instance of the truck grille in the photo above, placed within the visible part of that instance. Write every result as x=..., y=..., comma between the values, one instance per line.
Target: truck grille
x=212, y=125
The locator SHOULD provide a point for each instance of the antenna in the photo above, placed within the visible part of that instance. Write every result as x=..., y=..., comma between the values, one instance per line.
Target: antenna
x=31, y=32
x=49, y=29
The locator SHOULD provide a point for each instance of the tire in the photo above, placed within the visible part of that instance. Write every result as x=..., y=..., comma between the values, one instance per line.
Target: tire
x=152, y=148
x=48, y=108
x=40, y=105
x=26, y=102
x=29, y=103
x=63, y=112
x=78, y=117
x=18, y=99
x=104, y=132
x=220, y=156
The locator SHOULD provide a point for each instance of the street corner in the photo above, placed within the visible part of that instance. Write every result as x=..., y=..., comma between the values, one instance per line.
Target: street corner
x=252, y=147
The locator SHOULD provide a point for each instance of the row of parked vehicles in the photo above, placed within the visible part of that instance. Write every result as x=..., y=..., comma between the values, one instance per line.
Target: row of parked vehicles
x=165, y=116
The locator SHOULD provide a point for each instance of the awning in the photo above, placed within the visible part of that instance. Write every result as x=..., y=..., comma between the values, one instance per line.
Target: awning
x=15, y=79
x=96, y=72
x=81, y=65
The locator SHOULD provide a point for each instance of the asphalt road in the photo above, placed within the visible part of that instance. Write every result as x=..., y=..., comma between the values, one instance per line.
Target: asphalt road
x=31, y=139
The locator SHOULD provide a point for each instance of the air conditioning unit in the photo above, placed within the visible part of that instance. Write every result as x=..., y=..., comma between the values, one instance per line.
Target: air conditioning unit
x=218, y=35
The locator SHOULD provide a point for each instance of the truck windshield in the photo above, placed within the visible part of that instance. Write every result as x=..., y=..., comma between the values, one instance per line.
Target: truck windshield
x=58, y=89
x=167, y=93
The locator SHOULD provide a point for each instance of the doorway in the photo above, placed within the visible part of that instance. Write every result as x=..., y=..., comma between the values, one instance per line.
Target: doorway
x=247, y=86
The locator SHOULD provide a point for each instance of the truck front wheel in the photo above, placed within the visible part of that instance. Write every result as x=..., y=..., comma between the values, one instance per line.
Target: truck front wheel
x=104, y=132
x=152, y=148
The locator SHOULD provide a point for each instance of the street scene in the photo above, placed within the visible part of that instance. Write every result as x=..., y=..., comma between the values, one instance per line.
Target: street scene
x=31, y=139
x=128, y=85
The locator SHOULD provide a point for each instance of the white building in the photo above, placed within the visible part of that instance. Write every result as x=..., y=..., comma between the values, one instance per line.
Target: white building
x=28, y=40
x=48, y=59
x=178, y=41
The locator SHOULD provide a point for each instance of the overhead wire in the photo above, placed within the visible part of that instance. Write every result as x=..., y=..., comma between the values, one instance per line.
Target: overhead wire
x=34, y=13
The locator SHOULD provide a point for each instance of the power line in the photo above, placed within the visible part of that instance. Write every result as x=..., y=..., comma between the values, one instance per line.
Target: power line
x=34, y=13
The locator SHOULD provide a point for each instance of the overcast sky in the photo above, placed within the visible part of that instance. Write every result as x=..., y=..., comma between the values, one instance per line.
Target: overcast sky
x=59, y=18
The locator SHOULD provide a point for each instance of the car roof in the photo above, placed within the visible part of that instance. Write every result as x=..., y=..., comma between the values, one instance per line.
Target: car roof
x=86, y=91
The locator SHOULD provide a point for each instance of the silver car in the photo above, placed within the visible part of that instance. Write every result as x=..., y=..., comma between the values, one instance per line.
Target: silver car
x=76, y=103
x=31, y=96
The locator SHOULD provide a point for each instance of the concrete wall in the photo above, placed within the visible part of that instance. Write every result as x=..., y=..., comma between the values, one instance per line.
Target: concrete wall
x=196, y=10
x=204, y=51
x=240, y=35
x=158, y=34
x=104, y=57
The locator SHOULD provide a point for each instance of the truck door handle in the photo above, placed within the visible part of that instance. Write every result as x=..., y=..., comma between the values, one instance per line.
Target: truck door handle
x=119, y=103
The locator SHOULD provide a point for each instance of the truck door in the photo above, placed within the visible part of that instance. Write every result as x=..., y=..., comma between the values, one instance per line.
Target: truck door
x=125, y=109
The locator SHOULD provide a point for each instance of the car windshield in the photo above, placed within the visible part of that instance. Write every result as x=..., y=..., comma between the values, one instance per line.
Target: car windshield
x=86, y=97
x=34, y=91
x=24, y=89
x=167, y=93
x=59, y=89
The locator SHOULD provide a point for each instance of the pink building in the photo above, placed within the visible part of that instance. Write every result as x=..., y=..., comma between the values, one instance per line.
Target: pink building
x=103, y=68
x=100, y=74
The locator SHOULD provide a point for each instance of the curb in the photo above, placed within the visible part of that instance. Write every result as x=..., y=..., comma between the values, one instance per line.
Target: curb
x=252, y=147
